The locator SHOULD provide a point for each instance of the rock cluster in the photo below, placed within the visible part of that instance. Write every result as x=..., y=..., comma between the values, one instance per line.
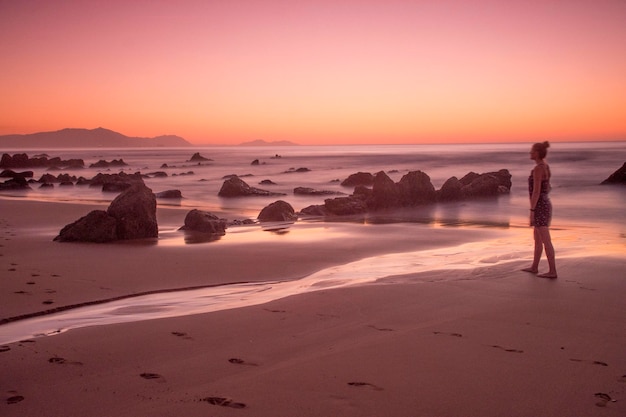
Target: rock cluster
x=415, y=188
x=22, y=160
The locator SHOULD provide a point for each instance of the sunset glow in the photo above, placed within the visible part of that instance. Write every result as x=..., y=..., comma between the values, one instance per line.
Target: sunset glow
x=317, y=72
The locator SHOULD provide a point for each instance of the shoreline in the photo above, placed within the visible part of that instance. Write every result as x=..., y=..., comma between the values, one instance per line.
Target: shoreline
x=476, y=338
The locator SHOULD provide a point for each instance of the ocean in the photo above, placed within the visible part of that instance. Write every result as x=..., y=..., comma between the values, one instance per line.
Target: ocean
x=577, y=171
x=589, y=218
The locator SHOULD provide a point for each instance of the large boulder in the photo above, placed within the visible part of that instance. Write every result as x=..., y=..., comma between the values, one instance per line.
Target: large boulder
x=415, y=188
x=385, y=193
x=618, y=177
x=236, y=187
x=360, y=178
x=278, y=211
x=135, y=213
x=205, y=222
x=487, y=185
x=97, y=226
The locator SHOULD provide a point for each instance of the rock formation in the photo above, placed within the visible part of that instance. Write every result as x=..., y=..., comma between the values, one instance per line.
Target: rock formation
x=236, y=187
x=618, y=177
x=204, y=222
x=278, y=211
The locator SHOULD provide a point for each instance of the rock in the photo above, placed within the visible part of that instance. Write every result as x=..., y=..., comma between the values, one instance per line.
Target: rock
x=618, y=177
x=315, y=210
x=415, y=188
x=116, y=182
x=15, y=184
x=104, y=164
x=46, y=185
x=385, y=193
x=22, y=160
x=360, y=178
x=312, y=191
x=341, y=206
x=236, y=187
x=157, y=174
x=255, y=162
x=487, y=185
x=135, y=213
x=278, y=211
x=267, y=182
x=9, y=173
x=205, y=222
x=290, y=170
x=196, y=157
x=97, y=226
x=450, y=190
x=170, y=194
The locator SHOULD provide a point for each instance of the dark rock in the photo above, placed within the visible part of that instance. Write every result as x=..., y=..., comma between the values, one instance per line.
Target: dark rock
x=115, y=187
x=157, y=174
x=82, y=181
x=278, y=211
x=46, y=185
x=415, y=188
x=487, y=185
x=48, y=178
x=15, y=184
x=97, y=226
x=22, y=161
x=291, y=170
x=267, y=182
x=312, y=191
x=196, y=157
x=315, y=210
x=9, y=173
x=618, y=177
x=205, y=222
x=115, y=182
x=236, y=187
x=360, y=178
x=104, y=164
x=468, y=178
x=385, y=193
x=255, y=162
x=135, y=213
x=170, y=194
x=362, y=192
x=450, y=190
x=66, y=184
x=164, y=166
x=341, y=206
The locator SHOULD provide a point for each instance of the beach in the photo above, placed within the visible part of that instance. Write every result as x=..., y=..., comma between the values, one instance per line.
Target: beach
x=470, y=337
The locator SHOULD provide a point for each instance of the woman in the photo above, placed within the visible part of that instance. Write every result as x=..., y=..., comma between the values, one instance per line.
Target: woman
x=541, y=210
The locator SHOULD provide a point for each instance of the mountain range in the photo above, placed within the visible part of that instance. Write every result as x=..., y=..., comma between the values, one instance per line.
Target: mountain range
x=88, y=138
x=261, y=142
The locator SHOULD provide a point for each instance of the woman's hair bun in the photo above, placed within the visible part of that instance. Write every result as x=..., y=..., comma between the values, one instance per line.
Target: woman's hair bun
x=546, y=144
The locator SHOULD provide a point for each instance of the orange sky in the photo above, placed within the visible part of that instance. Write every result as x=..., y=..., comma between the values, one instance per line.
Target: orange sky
x=317, y=71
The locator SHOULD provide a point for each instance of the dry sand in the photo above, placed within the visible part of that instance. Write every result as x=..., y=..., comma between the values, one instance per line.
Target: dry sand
x=490, y=341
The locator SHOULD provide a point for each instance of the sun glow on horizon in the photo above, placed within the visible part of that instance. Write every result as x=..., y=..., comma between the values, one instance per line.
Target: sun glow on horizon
x=317, y=72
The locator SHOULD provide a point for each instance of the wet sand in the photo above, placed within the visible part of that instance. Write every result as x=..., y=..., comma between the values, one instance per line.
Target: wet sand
x=485, y=341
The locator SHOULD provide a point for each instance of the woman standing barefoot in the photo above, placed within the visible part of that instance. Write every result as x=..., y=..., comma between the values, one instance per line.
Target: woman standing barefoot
x=541, y=210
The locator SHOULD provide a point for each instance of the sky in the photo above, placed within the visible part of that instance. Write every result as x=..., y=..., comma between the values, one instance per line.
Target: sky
x=317, y=71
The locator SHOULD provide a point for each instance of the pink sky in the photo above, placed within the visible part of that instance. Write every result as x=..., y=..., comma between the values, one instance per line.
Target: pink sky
x=317, y=72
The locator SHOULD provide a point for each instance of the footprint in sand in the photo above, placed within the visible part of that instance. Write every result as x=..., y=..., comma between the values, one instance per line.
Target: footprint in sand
x=449, y=334
x=4, y=348
x=507, y=350
x=48, y=302
x=238, y=361
x=381, y=329
x=149, y=375
x=365, y=384
x=590, y=362
x=224, y=402
x=182, y=335
x=15, y=399
x=604, y=399
x=62, y=361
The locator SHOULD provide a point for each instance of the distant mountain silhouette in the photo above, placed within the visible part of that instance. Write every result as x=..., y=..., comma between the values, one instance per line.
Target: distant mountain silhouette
x=87, y=138
x=261, y=142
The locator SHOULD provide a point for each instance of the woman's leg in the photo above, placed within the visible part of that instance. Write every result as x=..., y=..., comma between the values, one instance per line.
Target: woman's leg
x=544, y=235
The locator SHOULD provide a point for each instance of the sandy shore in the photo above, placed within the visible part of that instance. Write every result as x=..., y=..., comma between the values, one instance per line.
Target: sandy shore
x=485, y=341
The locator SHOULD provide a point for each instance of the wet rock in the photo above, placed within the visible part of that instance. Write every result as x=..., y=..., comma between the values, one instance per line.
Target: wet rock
x=385, y=193
x=278, y=211
x=196, y=157
x=450, y=190
x=236, y=187
x=204, y=222
x=135, y=213
x=21, y=160
x=255, y=162
x=486, y=185
x=341, y=206
x=415, y=188
x=173, y=194
x=104, y=164
x=9, y=173
x=317, y=210
x=15, y=184
x=116, y=182
x=360, y=178
x=97, y=226
x=312, y=191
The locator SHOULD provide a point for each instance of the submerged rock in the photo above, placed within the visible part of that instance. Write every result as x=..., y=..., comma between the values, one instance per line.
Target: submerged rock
x=236, y=187
x=618, y=177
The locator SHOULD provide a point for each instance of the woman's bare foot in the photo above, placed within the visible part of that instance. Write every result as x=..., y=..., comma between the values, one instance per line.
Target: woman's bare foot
x=531, y=270
x=548, y=275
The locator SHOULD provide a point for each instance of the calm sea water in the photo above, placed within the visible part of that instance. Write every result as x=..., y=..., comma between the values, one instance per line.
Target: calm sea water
x=578, y=169
x=589, y=218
